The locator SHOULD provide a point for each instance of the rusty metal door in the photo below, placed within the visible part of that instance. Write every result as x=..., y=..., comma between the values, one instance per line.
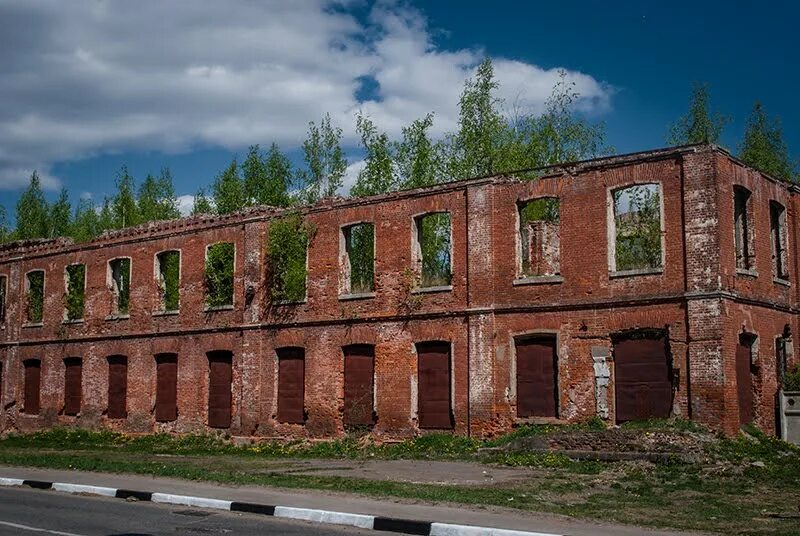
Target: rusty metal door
x=744, y=383
x=33, y=372
x=433, y=390
x=73, y=371
x=536, y=378
x=642, y=379
x=166, y=387
x=291, y=385
x=220, y=379
x=117, y=387
x=359, y=368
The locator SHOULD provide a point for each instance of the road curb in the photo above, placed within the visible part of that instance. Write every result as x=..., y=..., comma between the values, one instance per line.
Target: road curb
x=364, y=521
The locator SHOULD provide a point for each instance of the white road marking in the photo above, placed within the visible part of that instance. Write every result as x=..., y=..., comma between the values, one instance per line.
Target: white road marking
x=200, y=502
x=79, y=488
x=37, y=529
x=11, y=481
x=324, y=516
x=446, y=529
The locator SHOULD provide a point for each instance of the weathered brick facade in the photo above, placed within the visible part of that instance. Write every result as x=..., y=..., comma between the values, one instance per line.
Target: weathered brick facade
x=697, y=298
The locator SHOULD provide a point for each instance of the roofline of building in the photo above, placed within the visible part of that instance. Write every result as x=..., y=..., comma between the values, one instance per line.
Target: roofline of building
x=264, y=212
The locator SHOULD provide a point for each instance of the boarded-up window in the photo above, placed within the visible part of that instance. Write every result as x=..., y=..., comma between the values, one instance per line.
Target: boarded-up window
x=168, y=274
x=219, y=274
x=536, y=377
x=643, y=376
x=358, y=263
x=291, y=385
x=359, y=368
x=539, y=222
x=433, y=370
x=433, y=249
x=117, y=387
x=33, y=374
x=34, y=296
x=166, y=387
x=220, y=379
x=120, y=283
x=73, y=371
x=744, y=378
x=3, y=291
x=637, y=227
x=777, y=224
x=74, y=295
x=742, y=228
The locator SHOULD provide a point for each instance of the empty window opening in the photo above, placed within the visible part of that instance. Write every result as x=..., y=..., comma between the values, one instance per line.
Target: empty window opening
x=642, y=376
x=75, y=291
x=287, y=250
x=539, y=223
x=33, y=375
x=637, y=228
x=358, y=264
x=359, y=373
x=3, y=292
x=168, y=279
x=34, y=296
x=433, y=249
x=744, y=377
x=220, y=381
x=742, y=228
x=73, y=372
x=537, y=366
x=219, y=275
x=120, y=283
x=433, y=387
x=291, y=385
x=777, y=224
x=117, y=387
x=166, y=387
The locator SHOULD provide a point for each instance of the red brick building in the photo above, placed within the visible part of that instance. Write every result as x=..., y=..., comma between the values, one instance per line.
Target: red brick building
x=571, y=309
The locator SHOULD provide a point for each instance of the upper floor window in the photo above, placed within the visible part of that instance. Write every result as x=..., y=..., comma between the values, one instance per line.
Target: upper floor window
x=75, y=291
x=743, y=237
x=539, y=222
x=119, y=280
x=433, y=250
x=219, y=275
x=358, y=260
x=168, y=279
x=287, y=250
x=777, y=227
x=637, y=230
x=34, y=296
x=3, y=291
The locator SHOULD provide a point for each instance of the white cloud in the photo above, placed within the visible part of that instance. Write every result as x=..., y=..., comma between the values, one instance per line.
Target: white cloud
x=185, y=204
x=90, y=77
x=350, y=176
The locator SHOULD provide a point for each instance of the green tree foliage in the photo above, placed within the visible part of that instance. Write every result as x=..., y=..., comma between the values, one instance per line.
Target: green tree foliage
x=473, y=149
x=287, y=244
x=169, y=266
x=324, y=159
x=763, y=146
x=637, y=217
x=201, y=205
x=60, y=216
x=33, y=213
x=377, y=176
x=105, y=220
x=157, y=200
x=124, y=208
x=85, y=224
x=360, y=247
x=417, y=158
x=228, y=190
x=219, y=275
x=267, y=177
x=700, y=124
x=433, y=236
x=34, y=297
x=75, y=297
x=5, y=232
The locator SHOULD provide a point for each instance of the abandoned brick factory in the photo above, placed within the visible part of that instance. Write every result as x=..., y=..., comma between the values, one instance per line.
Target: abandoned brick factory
x=650, y=285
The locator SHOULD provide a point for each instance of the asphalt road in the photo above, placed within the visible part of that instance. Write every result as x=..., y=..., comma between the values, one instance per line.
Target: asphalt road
x=35, y=512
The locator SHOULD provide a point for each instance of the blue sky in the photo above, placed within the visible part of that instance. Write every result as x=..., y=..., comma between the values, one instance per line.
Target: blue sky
x=90, y=86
